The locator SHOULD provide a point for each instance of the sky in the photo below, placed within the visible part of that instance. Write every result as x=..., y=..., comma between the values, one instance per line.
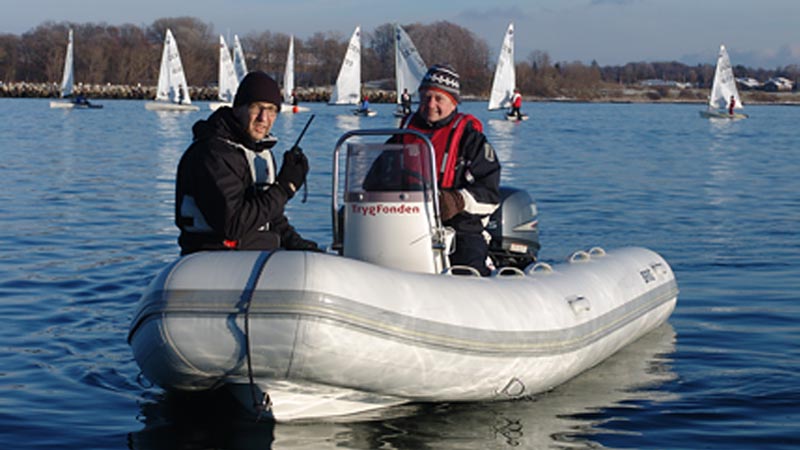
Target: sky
x=757, y=33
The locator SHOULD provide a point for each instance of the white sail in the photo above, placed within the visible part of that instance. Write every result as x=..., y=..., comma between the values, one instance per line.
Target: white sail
x=68, y=83
x=288, y=82
x=171, y=80
x=409, y=68
x=347, y=90
x=288, y=73
x=228, y=82
x=68, y=80
x=504, y=77
x=724, y=84
x=239, y=64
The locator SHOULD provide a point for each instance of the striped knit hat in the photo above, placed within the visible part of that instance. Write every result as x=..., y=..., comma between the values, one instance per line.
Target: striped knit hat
x=444, y=78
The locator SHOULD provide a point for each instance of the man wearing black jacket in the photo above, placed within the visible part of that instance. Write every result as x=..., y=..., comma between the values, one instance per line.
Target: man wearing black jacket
x=467, y=165
x=228, y=195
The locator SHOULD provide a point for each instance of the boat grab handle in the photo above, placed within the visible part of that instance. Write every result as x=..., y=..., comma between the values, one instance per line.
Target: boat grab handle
x=597, y=251
x=471, y=271
x=509, y=271
x=584, y=256
x=539, y=267
x=579, y=256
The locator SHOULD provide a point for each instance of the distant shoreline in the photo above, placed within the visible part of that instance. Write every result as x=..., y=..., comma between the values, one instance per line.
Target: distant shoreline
x=620, y=94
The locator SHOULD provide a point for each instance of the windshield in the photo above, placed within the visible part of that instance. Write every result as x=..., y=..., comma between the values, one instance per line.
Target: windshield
x=387, y=167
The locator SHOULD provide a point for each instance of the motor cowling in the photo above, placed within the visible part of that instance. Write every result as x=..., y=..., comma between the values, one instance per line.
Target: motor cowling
x=514, y=228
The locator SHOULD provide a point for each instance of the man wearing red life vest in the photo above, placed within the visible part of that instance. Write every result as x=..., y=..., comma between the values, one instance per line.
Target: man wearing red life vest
x=468, y=171
x=516, y=104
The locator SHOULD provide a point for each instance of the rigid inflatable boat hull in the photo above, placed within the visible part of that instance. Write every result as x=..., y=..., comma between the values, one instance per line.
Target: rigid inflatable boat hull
x=331, y=335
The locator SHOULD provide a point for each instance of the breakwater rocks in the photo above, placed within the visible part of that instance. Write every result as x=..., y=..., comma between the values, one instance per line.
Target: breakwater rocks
x=50, y=90
x=322, y=94
x=139, y=92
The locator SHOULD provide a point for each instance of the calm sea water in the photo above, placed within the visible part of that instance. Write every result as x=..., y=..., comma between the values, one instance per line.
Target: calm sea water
x=86, y=202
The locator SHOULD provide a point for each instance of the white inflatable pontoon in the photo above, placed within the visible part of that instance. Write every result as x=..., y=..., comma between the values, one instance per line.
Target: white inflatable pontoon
x=388, y=321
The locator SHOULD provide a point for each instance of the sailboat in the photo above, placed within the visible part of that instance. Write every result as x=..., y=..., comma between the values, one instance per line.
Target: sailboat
x=505, y=77
x=723, y=90
x=67, y=83
x=348, y=84
x=228, y=81
x=239, y=63
x=409, y=68
x=172, y=93
x=288, y=83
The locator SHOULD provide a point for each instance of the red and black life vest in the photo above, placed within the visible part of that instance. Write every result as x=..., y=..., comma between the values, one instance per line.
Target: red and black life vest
x=445, y=142
x=517, y=100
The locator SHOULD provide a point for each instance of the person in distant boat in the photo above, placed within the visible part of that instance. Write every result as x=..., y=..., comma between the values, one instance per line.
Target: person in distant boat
x=405, y=102
x=81, y=100
x=731, y=105
x=295, y=107
x=468, y=169
x=180, y=94
x=228, y=194
x=516, y=105
x=364, y=107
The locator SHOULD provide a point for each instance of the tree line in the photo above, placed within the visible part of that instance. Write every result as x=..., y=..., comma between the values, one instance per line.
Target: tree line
x=130, y=54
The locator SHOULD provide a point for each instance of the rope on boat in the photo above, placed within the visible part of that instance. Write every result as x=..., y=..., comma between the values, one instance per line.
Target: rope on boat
x=264, y=404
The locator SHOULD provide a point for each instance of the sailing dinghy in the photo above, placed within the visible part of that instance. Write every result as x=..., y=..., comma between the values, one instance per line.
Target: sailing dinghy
x=239, y=63
x=172, y=93
x=288, y=83
x=723, y=90
x=68, y=82
x=505, y=81
x=347, y=90
x=409, y=68
x=228, y=81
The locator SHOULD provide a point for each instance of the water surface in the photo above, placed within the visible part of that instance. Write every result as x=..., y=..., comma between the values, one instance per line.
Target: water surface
x=86, y=205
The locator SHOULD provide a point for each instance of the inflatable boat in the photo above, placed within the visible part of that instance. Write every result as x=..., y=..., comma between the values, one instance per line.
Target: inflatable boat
x=377, y=322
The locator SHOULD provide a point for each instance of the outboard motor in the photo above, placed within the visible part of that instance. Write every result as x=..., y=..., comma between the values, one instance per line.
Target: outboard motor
x=390, y=212
x=514, y=228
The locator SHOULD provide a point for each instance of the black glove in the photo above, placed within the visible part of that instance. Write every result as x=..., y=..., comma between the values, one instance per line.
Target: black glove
x=293, y=170
x=450, y=204
x=295, y=242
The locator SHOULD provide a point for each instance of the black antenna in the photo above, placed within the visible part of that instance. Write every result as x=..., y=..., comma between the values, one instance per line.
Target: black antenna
x=297, y=142
x=296, y=148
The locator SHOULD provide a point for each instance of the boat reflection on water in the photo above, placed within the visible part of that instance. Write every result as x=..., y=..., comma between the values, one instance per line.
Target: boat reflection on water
x=347, y=122
x=566, y=416
x=171, y=125
x=501, y=135
x=201, y=420
x=575, y=411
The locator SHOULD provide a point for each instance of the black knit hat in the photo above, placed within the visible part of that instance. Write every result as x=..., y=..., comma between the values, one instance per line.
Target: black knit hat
x=443, y=77
x=257, y=87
